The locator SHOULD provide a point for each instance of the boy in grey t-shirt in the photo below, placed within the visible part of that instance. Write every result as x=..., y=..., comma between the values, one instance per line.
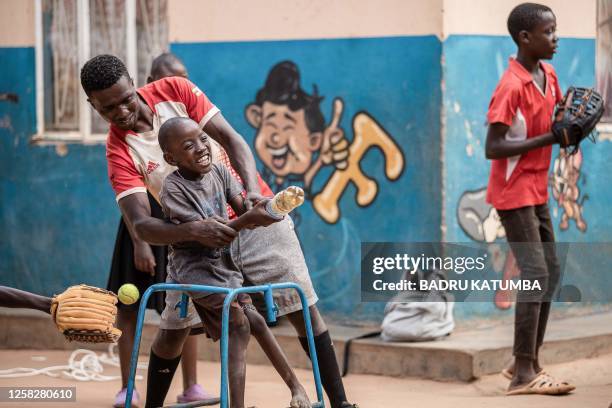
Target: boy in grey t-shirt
x=198, y=190
x=184, y=200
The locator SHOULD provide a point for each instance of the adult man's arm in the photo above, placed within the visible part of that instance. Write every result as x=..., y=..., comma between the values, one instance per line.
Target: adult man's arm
x=144, y=260
x=238, y=150
x=137, y=213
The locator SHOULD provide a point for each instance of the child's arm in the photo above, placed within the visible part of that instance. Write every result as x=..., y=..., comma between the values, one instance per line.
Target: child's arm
x=10, y=297
x=257, y=216
x=503, y=109
x=497, y=147
x=238, y=204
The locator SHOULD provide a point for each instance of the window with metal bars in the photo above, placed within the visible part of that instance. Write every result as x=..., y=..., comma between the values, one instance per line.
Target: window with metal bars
x=68, y=33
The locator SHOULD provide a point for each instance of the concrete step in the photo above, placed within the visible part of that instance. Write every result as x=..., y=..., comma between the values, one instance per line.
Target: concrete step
x=463, y=356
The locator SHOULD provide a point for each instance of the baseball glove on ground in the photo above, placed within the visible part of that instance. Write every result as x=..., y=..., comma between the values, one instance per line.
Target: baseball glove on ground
x=86, y=313
x=576, y=116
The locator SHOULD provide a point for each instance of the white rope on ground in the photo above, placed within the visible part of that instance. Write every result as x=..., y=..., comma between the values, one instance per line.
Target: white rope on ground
x=87, y=368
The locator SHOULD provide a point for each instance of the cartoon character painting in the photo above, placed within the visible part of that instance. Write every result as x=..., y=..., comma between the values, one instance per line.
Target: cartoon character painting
x=294, y=142
x=566, y=192
x=477, y=218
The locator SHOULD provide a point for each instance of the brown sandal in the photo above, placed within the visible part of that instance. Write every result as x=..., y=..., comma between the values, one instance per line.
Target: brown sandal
x=543, y=384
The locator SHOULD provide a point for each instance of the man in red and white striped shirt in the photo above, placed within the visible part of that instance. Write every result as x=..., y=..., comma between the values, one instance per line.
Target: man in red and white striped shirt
x=136, y=165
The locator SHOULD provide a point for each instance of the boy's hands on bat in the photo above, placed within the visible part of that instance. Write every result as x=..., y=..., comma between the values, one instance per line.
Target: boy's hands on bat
x=214, y=232
x=257, y=216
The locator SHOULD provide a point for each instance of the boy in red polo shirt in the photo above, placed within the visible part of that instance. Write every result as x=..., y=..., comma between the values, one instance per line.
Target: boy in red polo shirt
x=519, y=142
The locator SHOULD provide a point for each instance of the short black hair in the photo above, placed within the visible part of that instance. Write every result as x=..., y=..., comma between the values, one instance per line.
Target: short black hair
x=102, y=72
x=162, y=61
x=169, y=128
x=282, y=87
x=525, y=16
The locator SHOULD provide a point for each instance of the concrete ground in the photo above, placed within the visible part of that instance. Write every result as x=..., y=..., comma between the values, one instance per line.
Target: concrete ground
x=469, y=353
x=593, y=378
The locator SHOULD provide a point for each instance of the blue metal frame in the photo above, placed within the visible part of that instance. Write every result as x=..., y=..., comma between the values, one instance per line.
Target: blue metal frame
x=230, y=295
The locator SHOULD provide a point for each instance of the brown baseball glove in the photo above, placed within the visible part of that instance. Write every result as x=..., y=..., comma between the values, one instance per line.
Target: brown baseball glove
x=86, y=313
x=576, y=116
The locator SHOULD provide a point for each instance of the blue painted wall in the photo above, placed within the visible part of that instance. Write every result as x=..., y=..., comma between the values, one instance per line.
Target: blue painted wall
x=57, y=216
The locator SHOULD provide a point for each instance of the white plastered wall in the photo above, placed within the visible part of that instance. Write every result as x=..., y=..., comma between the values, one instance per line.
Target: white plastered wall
x=17, y=23
x=576, y=19
x=245, y=20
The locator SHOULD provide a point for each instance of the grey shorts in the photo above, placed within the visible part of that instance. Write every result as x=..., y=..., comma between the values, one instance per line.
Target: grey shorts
x=170, y=318
x=265, y=255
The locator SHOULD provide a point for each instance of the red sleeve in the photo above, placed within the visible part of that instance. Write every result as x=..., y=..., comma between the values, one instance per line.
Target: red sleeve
x=504, y=103
x=266, y=191
x=124, y=177
x=199, y=107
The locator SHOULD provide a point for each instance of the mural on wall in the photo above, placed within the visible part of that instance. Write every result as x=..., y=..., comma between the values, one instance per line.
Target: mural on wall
x=477, y=218
x=480, y=221
x=294, y=143
x=565, y=190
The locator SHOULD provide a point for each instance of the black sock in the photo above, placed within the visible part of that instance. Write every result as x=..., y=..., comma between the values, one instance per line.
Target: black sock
x=159, y=377
x=328, y=367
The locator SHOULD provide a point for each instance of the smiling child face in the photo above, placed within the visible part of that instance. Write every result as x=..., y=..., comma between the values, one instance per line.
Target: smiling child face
x=189, y=150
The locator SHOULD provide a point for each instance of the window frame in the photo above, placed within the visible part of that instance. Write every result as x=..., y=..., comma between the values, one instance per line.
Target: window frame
x=84, y=134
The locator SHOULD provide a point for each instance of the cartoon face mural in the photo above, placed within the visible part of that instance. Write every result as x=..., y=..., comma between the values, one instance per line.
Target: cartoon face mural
x=564, y=183
x=284, y=143
x=291, y=128
x=294, y=142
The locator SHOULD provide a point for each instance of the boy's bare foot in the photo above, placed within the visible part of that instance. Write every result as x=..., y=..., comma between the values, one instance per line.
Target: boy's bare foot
x=519, y=381
x=299, y=398
x=524, y=373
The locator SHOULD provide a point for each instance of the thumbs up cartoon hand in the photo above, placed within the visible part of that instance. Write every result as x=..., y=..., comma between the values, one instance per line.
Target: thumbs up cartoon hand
x=334, y=149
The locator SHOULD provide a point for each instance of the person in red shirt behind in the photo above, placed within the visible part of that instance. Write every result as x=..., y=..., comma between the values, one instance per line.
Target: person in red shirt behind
x=519, y=143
